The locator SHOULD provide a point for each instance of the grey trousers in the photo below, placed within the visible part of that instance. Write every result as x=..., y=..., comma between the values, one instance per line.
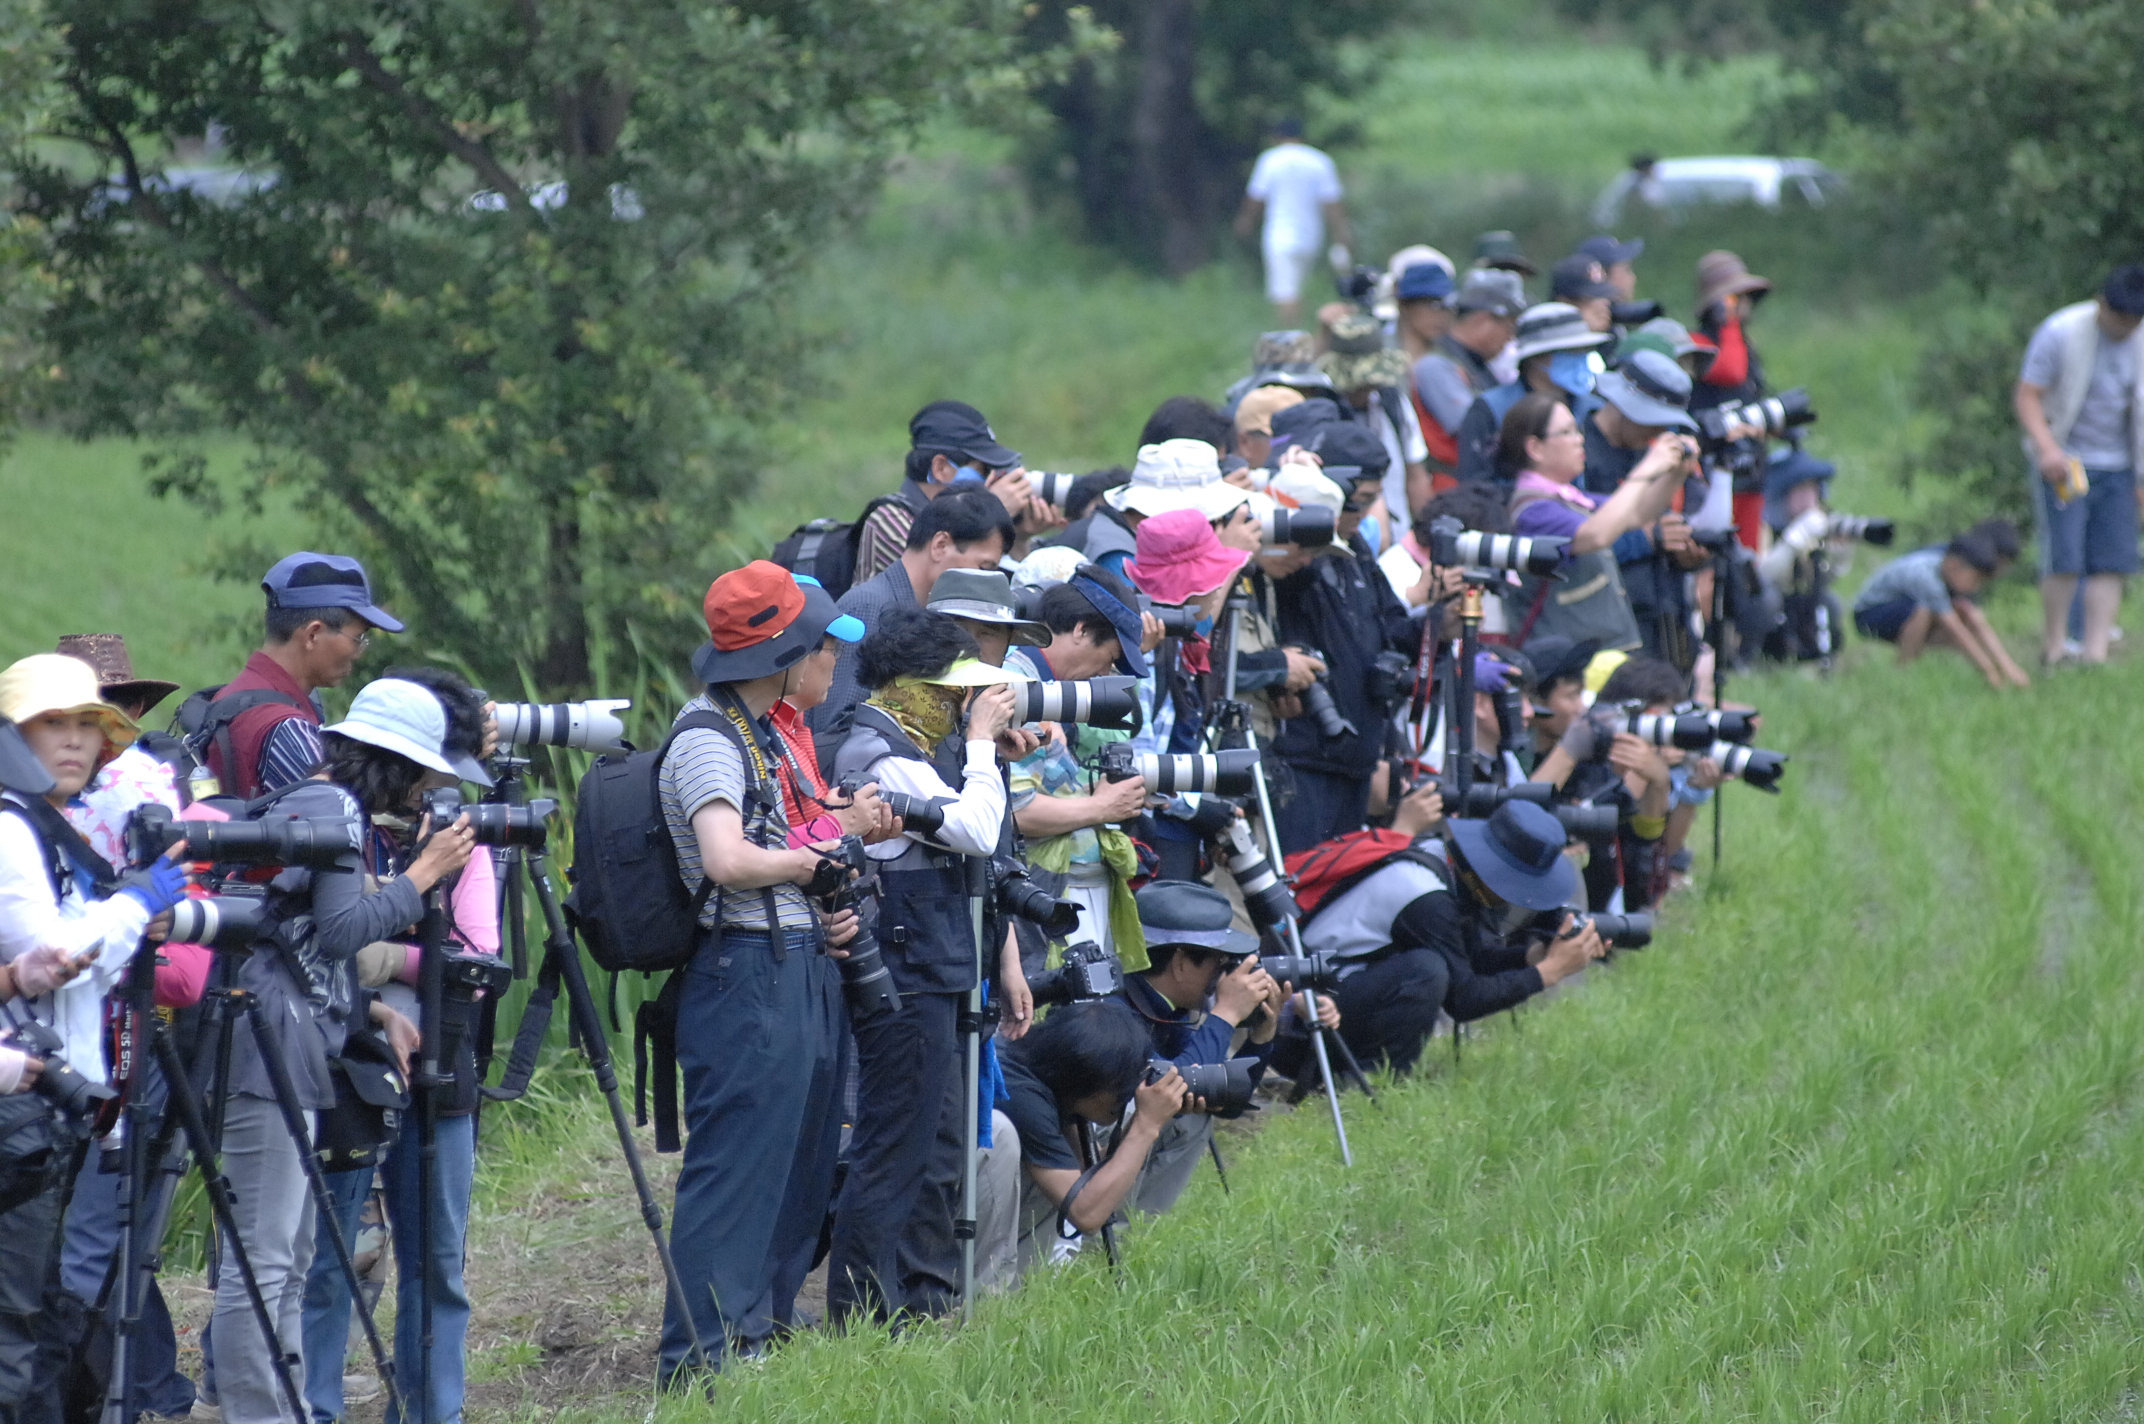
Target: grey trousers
x=1015, y=1224
x=1170, y=1165
x=275, y=1223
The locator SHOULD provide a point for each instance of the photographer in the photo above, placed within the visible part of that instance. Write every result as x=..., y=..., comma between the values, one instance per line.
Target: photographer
x=1597, y=763
x=1557, y=355
x=951, y=448
x=1075, y=842
x=1727, y=297
x=759, y=1018
x=66, y=939
x=1076, y=1071
x=1541, y=439
x=933, y=729
x=377, y=764
x=960, y=530
x=1929, y=599
x=390, y=968
x=262, y=729
x=1370, y=377
x=1201, y=998
x=1644, y=399
x=1342, y=605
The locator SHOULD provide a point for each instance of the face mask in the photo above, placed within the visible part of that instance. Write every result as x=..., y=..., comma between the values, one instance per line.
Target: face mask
x=966, y=477
x=1572, y=371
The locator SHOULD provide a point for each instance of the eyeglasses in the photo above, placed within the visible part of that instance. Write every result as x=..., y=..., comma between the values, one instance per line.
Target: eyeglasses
x=363, y=639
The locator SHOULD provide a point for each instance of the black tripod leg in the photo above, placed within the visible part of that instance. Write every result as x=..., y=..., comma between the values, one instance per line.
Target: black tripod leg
x=1213, y=1148
x=1348, y=1065
x=560, y=949
x=286, y=1098
x=222, y=1201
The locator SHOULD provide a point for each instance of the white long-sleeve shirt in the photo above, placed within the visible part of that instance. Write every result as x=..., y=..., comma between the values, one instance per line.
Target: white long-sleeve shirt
x=30, y=917
x=973, y=816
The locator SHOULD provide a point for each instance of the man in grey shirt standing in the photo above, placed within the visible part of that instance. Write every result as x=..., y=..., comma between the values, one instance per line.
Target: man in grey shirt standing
x=2078, y=399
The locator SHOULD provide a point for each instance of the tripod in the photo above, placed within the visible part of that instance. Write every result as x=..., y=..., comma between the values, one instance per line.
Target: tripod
x=562, y=968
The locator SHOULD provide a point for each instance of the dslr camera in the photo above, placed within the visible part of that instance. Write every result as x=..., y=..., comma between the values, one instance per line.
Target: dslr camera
x=585, y=726
x=917, y=813
x=1583, y=821
x=1018, y=894
x=60, y=1083
x=1087, y=971
x=1773, y=416
x=1314, y=969
x=1318, y=698
x=1632, y=931
x=1226, y=1087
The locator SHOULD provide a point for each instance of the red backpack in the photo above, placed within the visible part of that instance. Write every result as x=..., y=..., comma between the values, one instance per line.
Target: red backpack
x=1330, y=867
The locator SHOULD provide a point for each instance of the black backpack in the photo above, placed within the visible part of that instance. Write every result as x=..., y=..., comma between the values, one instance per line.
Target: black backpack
x=826, y=548
x=204, y=721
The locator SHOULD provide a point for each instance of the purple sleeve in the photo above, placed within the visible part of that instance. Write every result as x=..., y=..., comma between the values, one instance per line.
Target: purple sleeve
x=1550, y=517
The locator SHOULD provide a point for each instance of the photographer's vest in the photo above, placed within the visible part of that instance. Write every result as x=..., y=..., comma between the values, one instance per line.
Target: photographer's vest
x=1589, y=602
x=1096, y=534
x=924, y=930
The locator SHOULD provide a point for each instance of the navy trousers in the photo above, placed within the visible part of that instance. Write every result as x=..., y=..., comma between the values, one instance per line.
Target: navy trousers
x=764, y=1048
x=1388, y=1009
x=894, y=1248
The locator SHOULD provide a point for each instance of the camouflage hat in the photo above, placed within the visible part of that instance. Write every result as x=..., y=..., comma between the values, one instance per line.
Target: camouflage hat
x=1500, y=250
x=1356, y=355
x=1282, y=348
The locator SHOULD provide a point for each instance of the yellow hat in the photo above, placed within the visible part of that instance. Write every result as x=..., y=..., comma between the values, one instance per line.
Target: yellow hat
x=43, y=683
x=1601, y=669
x=969, y=672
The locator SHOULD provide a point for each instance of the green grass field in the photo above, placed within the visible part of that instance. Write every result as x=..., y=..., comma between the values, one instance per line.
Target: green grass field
x=1855, y=1140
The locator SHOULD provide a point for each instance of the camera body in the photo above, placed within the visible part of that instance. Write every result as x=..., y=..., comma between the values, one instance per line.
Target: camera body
x=1087, y=971
x=60, y=1083
x=1454, y=546
x=470, y=976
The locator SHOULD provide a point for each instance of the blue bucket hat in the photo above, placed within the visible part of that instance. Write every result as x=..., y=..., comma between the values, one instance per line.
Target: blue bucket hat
x=1425, y=281
x=1650, y=389
x=309, y=580
x=1518, y=853
x=1786, y=471
x=1121, y=615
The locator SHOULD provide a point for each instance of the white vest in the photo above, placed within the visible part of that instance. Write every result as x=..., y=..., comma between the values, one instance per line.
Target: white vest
x=2078, y=326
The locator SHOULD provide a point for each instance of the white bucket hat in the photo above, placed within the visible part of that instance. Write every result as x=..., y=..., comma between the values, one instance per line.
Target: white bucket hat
x=400, y=717
x=1177, y=474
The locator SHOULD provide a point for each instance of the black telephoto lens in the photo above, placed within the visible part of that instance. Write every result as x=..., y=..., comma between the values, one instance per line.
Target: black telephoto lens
x=917, y=813
x=493, y=824
x=1311, y=527
x=1225, y=1087
x=1177, y=620
x=1753, y=765
x=1587, y=823
x=866, y=982
x=1020, y=895
x=317, y=843
x=1633, y=931
x=1318, y=698
x=1209, y=819
x=1316, y=970
x=60, y=1083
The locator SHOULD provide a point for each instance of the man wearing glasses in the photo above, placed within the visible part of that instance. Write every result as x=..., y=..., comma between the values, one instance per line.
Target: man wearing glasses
x=263, y=728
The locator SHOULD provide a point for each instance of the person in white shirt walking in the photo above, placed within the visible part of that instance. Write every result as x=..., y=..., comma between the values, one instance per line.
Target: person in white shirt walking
x=1294, y=198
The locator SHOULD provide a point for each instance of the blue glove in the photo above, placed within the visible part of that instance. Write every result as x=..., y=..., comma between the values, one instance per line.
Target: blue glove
x=159, y=887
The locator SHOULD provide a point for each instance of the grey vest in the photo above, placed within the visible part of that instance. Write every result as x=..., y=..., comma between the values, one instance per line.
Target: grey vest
x=1588, y=602
x=923, y=925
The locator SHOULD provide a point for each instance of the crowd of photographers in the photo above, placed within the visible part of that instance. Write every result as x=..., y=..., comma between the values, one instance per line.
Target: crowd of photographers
x=1022, y=826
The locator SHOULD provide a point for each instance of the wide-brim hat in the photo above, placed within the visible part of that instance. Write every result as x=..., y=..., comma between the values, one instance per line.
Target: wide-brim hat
x=1179, y=558
x=1783, y=472
x=984, y=596
x=399, y=717
x=1305, y=376
x=1255, y=412
x=107, y=653
x=969, y=672
x=1677, y=339
x=1190, y=915
x=1723, y=274
x=1350, y=372
x=43, y=683
x=1518, y=854
x=1555, y=326
x=20, y=770
x=763, y=620
x=1649, y=389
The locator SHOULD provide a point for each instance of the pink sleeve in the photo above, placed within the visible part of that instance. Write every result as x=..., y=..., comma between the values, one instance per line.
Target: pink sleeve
x=818, y=828
x=476, y=904
x=179, y=983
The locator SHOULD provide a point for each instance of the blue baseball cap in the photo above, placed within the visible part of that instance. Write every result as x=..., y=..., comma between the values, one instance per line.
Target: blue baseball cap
x=1121, y=615
x=309, y=580
x=845, y=626
x=1425, y=281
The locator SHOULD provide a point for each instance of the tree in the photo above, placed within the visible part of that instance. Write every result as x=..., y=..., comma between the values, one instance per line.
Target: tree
x=1153, y=135
x=493, y=285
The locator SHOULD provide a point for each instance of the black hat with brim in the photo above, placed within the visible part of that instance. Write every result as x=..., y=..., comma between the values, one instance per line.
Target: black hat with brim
x=777, y=654
x=1555, y=657
x=1518, y=854
x=20, y=770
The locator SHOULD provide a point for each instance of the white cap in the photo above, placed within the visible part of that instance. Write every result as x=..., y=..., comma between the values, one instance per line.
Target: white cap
x=1304, y=486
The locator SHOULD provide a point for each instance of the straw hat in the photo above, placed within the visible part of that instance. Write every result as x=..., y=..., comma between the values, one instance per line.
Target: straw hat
x=43, y=683
x=107, y=653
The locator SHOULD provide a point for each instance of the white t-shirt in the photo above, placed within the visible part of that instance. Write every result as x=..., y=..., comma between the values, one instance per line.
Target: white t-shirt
x=1294, y=181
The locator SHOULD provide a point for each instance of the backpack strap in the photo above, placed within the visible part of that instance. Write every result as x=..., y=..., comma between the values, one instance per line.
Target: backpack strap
x=65, y=850
x=208, y=720
x=655, y=1035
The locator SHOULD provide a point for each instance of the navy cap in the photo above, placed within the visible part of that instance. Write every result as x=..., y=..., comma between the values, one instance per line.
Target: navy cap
x=1518, y=854
x=1650, y=389
x=309, y=580
x=959, y=427
x=1349, y=445
x=1121, y=615
x=1605, y=250
x=1424, y=282
x=1184, y=912
x=1555, y=657
x=2124, y=290
x=1578, y=279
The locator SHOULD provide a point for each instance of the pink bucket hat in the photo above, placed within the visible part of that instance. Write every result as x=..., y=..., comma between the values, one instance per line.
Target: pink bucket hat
x=1179, y=558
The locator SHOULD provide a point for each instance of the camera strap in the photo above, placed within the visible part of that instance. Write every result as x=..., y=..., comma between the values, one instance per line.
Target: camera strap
x=63, y=844
x=763, y=791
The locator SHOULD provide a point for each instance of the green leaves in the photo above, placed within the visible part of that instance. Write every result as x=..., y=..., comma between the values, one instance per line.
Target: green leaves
x=510, y=293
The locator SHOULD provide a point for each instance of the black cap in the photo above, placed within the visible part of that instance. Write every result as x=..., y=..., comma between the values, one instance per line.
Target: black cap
x=1555, y=657
x=1348, y=445
x=2125, y=290
x=959, y=427
x=1184, y=912
x=1577, y=279
x=1518, y=854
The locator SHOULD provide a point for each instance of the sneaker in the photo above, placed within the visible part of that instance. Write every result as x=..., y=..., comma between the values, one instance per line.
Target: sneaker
x=360, y=1389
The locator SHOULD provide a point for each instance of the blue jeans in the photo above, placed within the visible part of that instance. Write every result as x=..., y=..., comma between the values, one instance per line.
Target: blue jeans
x=764, y=1048
x=453, y=1177
x=327, y=1298
x=2093, y=535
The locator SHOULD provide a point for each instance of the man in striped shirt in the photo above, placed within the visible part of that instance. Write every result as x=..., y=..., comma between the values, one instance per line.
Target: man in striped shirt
x=951, y=447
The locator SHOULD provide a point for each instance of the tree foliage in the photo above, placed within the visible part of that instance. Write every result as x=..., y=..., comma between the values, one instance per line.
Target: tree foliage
x=1154, y=132
x=502, y=301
